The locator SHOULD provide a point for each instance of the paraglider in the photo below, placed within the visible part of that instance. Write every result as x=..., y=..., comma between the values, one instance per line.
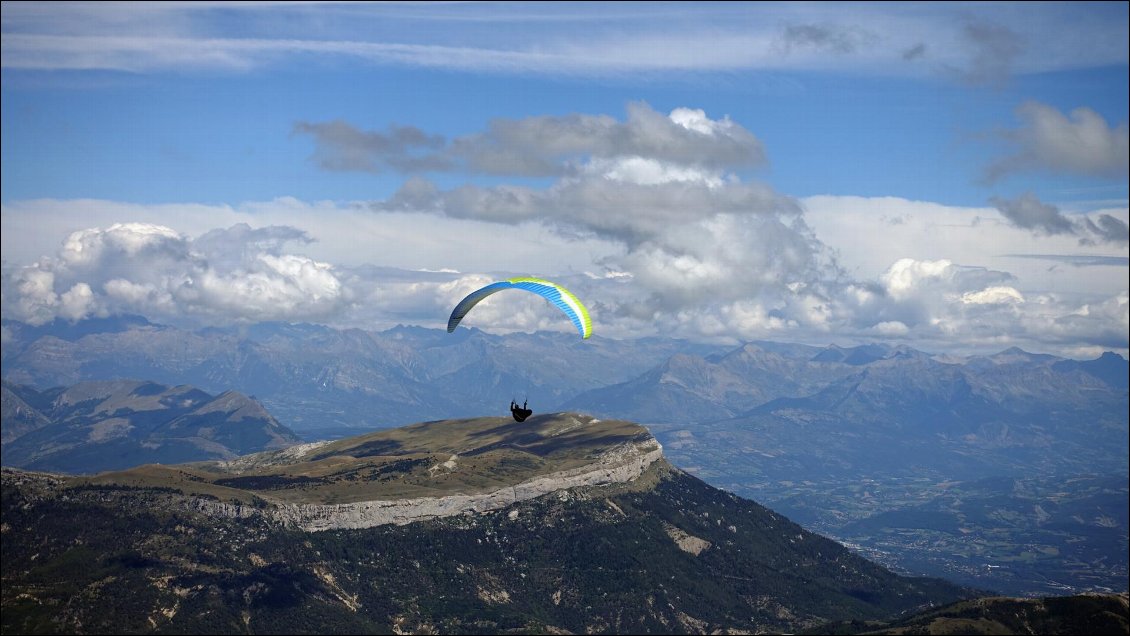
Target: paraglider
x=520, y=413
x=562, y=298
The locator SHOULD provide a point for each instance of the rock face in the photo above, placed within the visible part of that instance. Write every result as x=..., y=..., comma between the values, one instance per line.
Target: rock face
x=619, y=464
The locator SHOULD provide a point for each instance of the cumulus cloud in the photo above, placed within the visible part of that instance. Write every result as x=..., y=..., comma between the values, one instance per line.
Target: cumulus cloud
x=30, y=295
x=692, y=236
x=699, y=249
x=974, y=278
x=946, y=304
x=729, y=258
x=77, y=303
x=1080, y=143
x=930, y=295
x=1102, y=323
x=225, y=275
x=120, y=242
x=543, y=146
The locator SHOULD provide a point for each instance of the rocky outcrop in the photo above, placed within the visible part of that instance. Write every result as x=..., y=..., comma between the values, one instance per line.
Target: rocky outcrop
x=686, y=542
x=619, y=464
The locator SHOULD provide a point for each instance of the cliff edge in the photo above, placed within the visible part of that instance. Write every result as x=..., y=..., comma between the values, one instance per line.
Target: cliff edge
x=413, y=473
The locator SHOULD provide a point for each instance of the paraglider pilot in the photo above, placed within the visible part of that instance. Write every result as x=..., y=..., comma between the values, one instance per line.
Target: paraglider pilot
x=520, y=413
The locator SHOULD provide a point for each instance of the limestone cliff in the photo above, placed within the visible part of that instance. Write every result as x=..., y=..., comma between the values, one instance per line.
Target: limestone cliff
x=414, y=473
x=620, y=464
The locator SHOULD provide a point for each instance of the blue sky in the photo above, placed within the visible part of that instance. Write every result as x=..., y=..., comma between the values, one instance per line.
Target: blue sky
x=949, y=175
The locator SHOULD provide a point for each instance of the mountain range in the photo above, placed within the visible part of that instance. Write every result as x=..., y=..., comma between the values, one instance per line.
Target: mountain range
x=317, y=379
x=828, y=436
x=115, y=424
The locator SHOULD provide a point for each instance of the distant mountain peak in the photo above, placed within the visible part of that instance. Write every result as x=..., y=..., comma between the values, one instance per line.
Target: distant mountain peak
x=1016, y=354
x=855, y=356
x=1110, y=367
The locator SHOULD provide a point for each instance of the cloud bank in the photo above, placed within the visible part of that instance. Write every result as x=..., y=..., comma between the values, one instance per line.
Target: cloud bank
x=225, y=275
x=648, y=219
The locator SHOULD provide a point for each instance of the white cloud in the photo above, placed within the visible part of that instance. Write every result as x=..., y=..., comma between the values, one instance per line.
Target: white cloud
x=346, y=234
x=77, y=303
x=870, y=234
x=932, y=297
x=964, y=278
x=695, y=119
x=130, y=239
x=647, y=171
x=226, y=275
x=728, y=277
x=31, y=295
x=891, y=328
x=125, y=293
x=1094, y=325
x=996, y=295
x=906, y=276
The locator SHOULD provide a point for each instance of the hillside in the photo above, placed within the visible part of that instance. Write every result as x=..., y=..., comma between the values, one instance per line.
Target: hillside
x=1083, y=614
x=96, y=426
x=633, y=545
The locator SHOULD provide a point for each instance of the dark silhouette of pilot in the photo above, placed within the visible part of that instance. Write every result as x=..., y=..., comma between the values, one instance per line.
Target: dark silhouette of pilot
x=520, y=413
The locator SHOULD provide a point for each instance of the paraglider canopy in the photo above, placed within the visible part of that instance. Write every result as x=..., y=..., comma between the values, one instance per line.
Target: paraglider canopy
x=562, y=298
